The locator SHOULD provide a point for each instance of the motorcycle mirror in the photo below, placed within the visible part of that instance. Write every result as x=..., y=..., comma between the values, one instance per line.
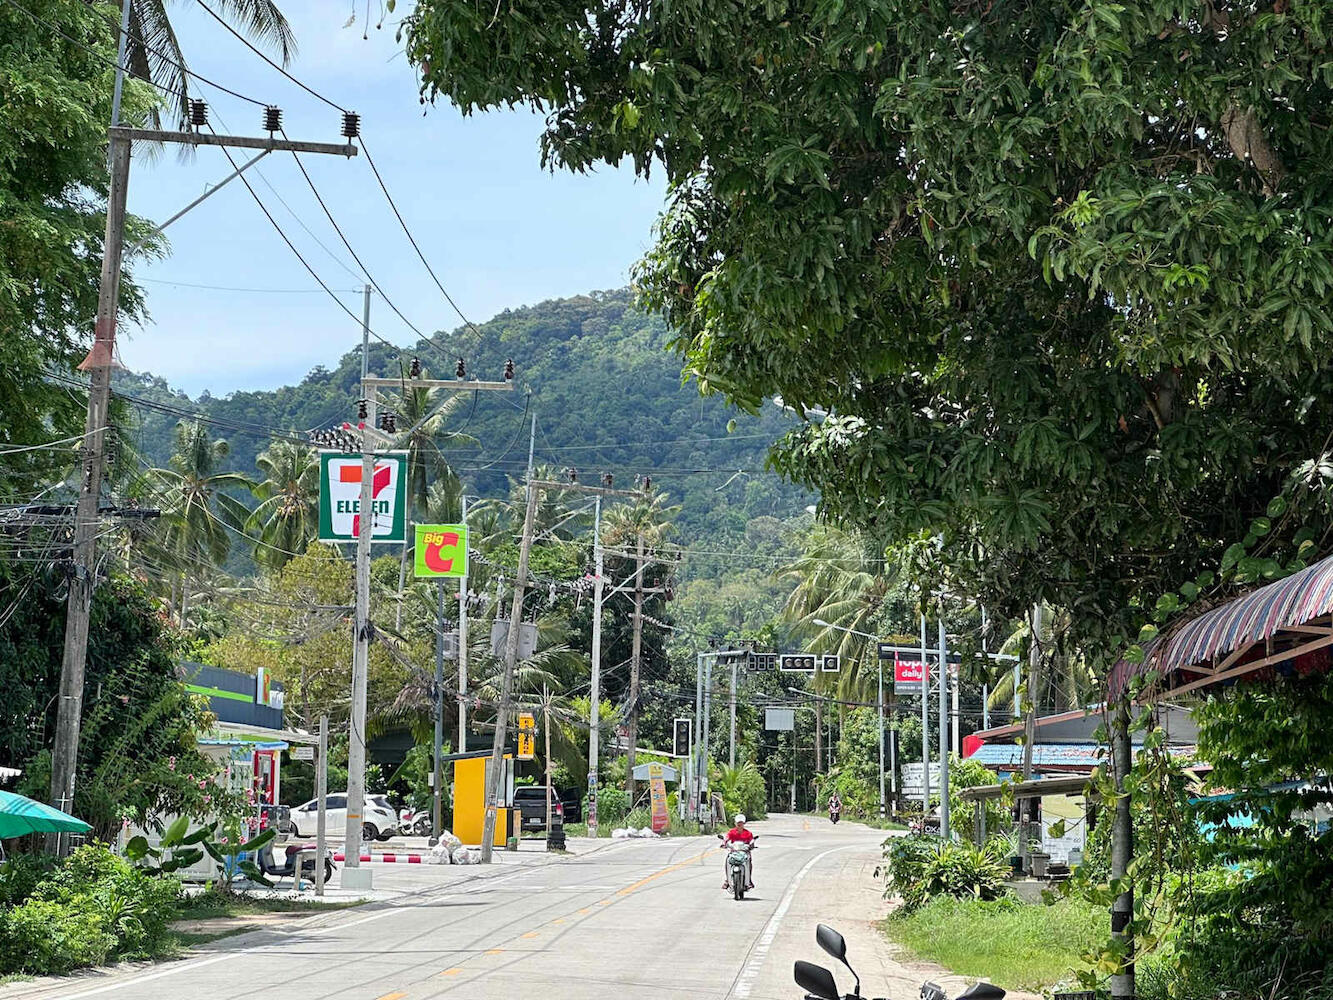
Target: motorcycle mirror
x=831, y=941
x=983, y=991
x=816, y=980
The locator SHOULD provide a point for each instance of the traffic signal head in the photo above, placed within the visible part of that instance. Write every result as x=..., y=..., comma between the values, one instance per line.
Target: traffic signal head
x=681, y=742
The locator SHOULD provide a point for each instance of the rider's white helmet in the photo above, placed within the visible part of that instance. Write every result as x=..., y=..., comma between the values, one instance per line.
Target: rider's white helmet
x=740, y=818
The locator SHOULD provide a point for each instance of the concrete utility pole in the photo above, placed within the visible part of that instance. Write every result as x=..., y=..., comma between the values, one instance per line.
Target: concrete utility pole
x=321, y=794
x=944, y=731
x=1029, y=726
x=636, y=652
x=462, y=649
x=879, y=701
x=507, y=684
x=731, y=753
x=98, y=364
x=595, y=690
x=437, y=765
x=700, y=748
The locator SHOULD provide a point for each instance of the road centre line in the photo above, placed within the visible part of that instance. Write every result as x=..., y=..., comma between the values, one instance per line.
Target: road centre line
x=754, y=964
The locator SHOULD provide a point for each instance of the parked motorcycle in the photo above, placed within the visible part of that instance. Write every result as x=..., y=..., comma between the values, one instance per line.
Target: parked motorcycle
x=738, y=867
x=270, y=867
x=416, y=823
x=818, y=982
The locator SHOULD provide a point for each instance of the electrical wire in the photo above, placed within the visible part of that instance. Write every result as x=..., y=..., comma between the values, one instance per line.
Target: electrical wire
x=233, y=288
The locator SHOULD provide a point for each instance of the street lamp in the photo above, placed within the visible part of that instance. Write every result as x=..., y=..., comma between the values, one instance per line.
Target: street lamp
x=879, y=702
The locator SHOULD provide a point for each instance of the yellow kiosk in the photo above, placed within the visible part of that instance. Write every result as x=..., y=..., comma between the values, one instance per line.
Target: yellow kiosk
x=470, y=798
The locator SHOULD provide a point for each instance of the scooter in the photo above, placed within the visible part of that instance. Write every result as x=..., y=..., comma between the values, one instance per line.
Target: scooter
x=738, y=867
x=834, y=815
x=269, y=866
x=416, y=823
x=818, y=982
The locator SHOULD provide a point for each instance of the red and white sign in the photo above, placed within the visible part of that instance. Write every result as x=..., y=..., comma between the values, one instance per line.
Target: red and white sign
x=907, y=676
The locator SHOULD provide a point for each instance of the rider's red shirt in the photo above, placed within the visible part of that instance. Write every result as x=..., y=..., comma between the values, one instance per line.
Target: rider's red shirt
x=738, y=836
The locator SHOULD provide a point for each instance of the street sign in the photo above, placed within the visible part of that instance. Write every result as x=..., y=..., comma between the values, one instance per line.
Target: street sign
x=913, y=775
x=340, y=497
x=828, y=663
x=681, y=742
x=907, y=675
x=797, y=663
x=780, y=719
x=527, y=736
x=300, y=752
x=440, y=551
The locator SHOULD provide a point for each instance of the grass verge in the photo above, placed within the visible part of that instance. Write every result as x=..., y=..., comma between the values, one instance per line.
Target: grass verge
x=1014, y=945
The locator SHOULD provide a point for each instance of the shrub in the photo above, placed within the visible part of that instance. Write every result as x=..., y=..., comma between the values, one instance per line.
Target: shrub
x=742, y=790
x=923, y=868
x=20, y=876
x=42, y=936
x=92, y=907
x=612, y=806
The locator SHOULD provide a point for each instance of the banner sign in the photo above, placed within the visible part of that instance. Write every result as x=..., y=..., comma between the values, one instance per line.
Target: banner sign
x=527, y=736
x=657, y=797
x=907, y=675
x=340, y=497
x=440, y=551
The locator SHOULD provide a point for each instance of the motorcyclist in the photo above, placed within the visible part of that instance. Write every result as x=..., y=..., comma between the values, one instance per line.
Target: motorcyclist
x=834, y=807
x=738, y=834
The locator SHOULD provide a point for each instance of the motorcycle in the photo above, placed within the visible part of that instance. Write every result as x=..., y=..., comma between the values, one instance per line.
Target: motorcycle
x=818, y=982
x=270, y=867
x=738, y=867
x=415, y=823
x=834, y=815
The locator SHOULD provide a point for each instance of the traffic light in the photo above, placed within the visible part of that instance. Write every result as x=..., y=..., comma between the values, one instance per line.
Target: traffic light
x=763, y=661
x=681, y=743
x=828, y=663
x=797, y=663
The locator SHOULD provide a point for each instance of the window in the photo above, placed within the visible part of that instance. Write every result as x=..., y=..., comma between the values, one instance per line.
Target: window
x=337, y=802
x=310, y=806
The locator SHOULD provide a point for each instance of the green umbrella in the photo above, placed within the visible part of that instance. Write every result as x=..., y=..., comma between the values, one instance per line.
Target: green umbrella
x=20, y=815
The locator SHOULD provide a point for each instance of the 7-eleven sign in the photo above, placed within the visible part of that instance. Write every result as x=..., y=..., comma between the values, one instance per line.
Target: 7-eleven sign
x=340, y=497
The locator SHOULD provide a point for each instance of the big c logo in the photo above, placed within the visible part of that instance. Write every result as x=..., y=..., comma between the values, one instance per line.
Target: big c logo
x=441, y=550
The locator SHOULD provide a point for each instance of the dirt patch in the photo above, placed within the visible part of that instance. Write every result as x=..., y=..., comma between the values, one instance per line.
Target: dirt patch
x=216, y=926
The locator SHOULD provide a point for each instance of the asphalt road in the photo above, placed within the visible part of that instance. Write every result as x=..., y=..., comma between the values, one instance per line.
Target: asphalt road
x=637, y=918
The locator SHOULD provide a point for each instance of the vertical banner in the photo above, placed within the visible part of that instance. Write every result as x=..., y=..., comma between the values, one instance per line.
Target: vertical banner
x=658, y=798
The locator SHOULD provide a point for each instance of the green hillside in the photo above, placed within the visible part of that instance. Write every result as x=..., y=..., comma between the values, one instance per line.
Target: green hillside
x=605, y=386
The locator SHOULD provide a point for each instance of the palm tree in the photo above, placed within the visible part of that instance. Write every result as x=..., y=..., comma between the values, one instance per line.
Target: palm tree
x=287, y=517
x=153, y=52
x=197, y=514
x=1067, y=681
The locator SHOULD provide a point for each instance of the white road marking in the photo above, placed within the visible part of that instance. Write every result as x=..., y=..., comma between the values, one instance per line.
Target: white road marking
x=745, y=981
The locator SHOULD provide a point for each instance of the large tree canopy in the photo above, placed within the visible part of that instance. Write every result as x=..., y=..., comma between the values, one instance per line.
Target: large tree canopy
x=1056, y=272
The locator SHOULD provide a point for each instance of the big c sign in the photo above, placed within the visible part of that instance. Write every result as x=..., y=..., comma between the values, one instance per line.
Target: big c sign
x=441, y=550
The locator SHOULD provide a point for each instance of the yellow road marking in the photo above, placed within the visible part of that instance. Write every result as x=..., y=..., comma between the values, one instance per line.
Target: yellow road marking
x=533, y=934
x=447, y=972
x=558, y=920
x=495, y=951
x=585, y=911
x=393, y=996
x=665, y=871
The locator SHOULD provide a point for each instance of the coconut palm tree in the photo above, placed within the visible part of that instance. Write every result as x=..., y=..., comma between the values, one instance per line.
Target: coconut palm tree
x=287, y=517
x=153, y=52
x=1067, y=682
x=198, y=515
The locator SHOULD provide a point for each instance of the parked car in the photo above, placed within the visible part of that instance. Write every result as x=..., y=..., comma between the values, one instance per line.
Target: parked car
x=379, y=821
x=530, y=801
x=572, y=800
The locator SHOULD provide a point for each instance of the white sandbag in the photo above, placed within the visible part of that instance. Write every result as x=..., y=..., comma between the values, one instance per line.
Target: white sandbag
x=466, y=856
x=621, y=834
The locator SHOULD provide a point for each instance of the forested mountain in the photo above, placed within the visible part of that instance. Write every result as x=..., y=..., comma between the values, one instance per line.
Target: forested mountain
x=603, y=382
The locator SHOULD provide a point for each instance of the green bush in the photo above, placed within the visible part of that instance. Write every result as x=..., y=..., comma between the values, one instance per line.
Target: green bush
x=924, y=868
x=43, y=937
x=93, y=907
x=742, y=790
x=612, y=806
x=21, y=875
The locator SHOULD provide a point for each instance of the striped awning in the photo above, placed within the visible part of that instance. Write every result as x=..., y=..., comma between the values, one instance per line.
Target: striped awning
x=1275, y=623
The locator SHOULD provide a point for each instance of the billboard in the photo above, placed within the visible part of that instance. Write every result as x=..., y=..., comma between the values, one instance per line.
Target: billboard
x=340, y=497
x=440, y=551
x=907, y=675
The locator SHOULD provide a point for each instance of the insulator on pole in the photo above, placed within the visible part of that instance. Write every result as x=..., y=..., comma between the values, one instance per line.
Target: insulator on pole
x=351, y=124
x=198, y=113
x=460, y=369
x=272, y=119
x=414, y=370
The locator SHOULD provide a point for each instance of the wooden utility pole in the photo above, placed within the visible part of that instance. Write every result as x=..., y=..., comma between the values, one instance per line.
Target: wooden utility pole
x=1122, y=851
x=98, y=364
x=636, y=652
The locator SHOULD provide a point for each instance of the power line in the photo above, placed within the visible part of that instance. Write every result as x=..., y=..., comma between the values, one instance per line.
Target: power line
x=234, y=288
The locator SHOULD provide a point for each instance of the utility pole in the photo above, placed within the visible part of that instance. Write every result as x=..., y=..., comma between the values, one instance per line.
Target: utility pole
x=708, y=725
x=944, y=730
x=700, y=748
x=879, y=701
x=956, y=678
x=356, y=744
x=507, y=685
x=437, y=772
x=595, y=691
x=731, y=754
x=1122, y=850
x=636, y=651
x=98, y=363
x=462, y=649
x=1029, y=726
x=321, y=794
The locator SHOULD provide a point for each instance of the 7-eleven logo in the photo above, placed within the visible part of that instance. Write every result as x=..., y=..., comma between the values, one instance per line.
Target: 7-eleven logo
x=342, y=508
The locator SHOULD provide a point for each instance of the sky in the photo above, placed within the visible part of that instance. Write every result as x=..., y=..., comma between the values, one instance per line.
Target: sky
x=499, y=231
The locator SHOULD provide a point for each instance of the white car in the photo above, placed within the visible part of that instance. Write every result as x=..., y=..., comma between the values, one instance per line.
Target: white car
x=378, y=819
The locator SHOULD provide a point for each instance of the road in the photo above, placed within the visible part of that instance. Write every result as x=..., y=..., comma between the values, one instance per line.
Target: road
x=640, y=918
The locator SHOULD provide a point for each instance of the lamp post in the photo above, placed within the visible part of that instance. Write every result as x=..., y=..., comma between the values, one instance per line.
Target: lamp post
x=878, y=701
